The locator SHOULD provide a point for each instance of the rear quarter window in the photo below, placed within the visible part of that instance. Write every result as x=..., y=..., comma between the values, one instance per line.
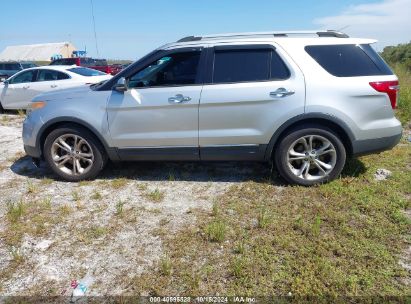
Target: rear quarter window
x=349, y=60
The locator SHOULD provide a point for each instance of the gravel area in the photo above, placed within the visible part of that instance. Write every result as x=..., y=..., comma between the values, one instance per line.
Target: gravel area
x=103, y=233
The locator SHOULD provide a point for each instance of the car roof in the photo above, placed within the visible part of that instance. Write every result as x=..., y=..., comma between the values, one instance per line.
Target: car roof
x=54, y=67
x=283, y=37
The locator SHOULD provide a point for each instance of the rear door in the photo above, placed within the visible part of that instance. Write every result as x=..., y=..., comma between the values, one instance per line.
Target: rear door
x=251, y=90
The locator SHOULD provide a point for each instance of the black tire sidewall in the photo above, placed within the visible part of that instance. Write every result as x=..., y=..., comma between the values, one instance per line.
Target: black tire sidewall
x=99, y=155
x=282, y=151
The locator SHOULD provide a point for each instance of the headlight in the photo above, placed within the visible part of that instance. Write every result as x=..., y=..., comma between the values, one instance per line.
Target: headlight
x=35, y=105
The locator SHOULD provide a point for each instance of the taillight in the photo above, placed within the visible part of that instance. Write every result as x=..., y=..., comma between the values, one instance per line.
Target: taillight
x=389, y=87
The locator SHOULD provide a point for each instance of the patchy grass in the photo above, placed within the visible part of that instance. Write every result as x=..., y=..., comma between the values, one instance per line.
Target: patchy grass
x=403, y=111
x=341, y=238
x=34, y=218
x=96, y=196
x=155, y=195
x=119, y=183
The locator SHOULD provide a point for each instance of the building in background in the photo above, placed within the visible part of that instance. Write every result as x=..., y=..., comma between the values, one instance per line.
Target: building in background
x=37, y=52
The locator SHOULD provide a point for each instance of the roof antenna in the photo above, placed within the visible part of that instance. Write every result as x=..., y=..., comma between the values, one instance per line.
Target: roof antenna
x=94, y=27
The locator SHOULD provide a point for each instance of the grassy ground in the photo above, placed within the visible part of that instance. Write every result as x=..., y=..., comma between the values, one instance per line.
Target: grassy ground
x=344, y=238
x=404, y=104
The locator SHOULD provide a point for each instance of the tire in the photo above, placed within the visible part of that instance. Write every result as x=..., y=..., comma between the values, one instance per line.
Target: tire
x=323, y=163
x=1, y=108
x=61, y=153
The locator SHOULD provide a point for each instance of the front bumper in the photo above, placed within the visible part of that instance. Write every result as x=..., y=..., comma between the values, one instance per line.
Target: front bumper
x=32, y=151
x=368, y=146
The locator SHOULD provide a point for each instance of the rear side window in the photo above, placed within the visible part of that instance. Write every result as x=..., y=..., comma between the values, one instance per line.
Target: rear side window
x=349, y=60
x=86, y=72
x=50, y=75
x=248, y=65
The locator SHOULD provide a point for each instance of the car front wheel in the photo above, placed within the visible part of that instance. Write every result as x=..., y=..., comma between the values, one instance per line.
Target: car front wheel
x=310, y=155
x=74, y=154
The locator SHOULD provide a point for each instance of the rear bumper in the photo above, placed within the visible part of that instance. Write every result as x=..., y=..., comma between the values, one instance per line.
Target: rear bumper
x=368, y=146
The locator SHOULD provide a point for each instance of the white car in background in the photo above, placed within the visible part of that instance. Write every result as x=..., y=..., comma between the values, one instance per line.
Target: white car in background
x=17, y=91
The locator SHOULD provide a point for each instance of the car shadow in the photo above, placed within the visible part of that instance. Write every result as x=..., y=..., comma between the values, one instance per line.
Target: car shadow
x=166, y=171
x=182, y=171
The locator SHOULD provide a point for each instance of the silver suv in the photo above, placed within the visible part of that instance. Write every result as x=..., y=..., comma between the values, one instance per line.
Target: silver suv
x=305, y=100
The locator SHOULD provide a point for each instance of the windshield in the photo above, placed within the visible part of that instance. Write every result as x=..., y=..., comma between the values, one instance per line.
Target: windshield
x=86, y=72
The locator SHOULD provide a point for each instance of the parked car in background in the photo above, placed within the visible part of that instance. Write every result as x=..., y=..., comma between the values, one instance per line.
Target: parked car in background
x=96, y=64
x=302, y=100
x=9, y=68
x=17, y=91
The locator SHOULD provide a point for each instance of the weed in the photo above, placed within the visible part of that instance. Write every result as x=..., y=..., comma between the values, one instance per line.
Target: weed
x=76, y=196
x=15, y=210
x=165, y=265
x=31, y=187
x=96, y=196
x=263, y=218
x=216, y=231
x=155, y=196
x=119, y=208
x=17, y=256
x=119, y=183
x=215, y=209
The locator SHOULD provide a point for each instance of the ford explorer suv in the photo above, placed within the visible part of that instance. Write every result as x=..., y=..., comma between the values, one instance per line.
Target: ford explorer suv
x=303, y=100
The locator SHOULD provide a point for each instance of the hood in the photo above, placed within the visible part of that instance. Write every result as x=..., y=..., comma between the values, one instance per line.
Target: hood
x=64, y=94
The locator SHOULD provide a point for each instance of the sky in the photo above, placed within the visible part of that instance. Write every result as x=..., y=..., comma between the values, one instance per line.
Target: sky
x=128, y=29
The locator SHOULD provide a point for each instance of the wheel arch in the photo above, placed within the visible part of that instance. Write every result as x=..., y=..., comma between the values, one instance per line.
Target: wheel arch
x=332, y=122
x=53, y=124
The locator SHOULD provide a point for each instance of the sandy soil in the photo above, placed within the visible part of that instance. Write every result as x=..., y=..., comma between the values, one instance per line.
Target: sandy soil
x=110, y=230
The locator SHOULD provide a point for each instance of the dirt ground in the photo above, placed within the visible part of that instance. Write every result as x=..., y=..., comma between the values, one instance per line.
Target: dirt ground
x=102, y=233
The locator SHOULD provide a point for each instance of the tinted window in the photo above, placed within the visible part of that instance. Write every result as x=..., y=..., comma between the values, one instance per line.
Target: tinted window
x=50, y=75
x=24, y=77
x=64, y=61
x=248, y=65
x=348, y=60
x=279, y=70
x=28, y=65
x=241, y=65
x=86, y=72
x=175, y=69
x=12, y=67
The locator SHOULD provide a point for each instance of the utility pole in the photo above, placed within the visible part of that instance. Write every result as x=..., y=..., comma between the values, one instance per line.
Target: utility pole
x=94, y=27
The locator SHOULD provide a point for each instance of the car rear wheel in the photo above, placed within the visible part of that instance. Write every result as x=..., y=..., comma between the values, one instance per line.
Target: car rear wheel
x=74, y=153
x=310, y=155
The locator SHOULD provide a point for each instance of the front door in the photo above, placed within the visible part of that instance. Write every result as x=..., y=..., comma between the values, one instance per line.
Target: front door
x=157, y=117
x=19, y=90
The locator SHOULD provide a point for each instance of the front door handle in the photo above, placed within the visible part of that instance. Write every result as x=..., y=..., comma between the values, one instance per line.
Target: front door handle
x=281, y=92
x=26, y=87
x=54, y=86
x=179, y=98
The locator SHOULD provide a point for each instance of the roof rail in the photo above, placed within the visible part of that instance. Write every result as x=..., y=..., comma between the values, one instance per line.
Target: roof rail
x=326, y=33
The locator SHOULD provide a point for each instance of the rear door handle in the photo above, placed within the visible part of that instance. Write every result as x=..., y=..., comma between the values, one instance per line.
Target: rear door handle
x=281, y=92
x=54, y=86
x=179, y=98
x=26, y=87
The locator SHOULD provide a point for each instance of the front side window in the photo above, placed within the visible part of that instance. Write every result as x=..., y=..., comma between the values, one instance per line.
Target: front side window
x=177, y=69
x=248, y=65
x=50, y=75
x=348, y=60
x=24, y=77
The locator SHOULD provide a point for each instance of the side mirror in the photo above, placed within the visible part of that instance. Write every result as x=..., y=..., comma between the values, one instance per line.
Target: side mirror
x=121, y=85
